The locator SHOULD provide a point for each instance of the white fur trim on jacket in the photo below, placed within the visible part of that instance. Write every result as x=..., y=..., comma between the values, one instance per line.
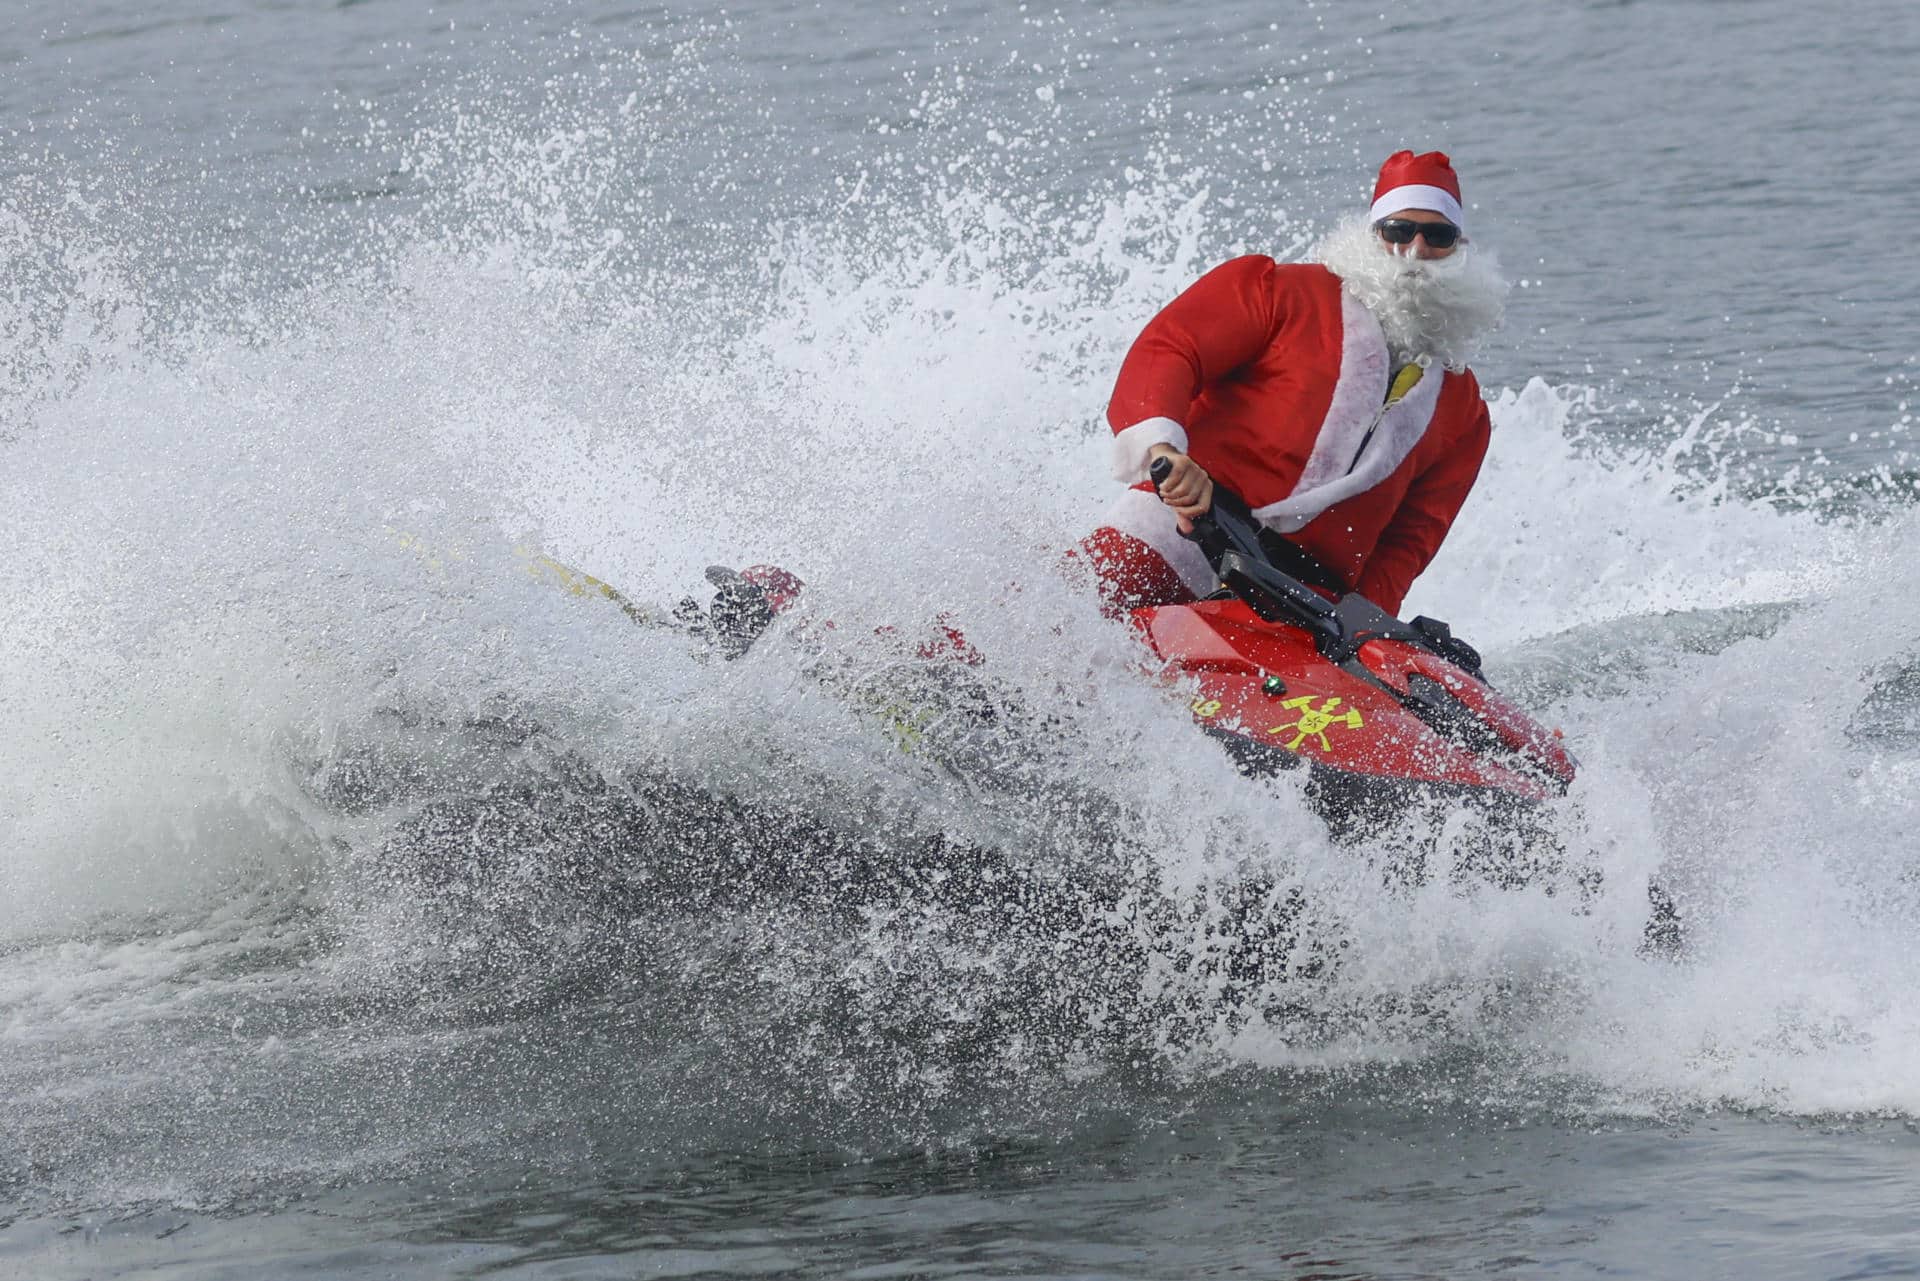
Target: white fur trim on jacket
x=1333, y=472
x=1130, y=447
x=1144, y=516
x=1414, y=196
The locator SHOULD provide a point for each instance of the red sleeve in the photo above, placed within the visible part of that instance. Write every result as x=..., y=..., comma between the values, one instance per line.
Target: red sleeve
x=1222, y=321
x=1408, y=543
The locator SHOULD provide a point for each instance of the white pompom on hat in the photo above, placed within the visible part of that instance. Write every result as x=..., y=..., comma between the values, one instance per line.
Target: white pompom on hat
x=1426, y=181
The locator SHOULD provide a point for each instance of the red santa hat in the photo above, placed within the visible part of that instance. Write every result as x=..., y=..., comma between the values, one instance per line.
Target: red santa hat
x=1425, y=181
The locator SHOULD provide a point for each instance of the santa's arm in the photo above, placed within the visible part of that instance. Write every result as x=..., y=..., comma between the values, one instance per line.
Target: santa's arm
x=1408, y=543
x=1222, y=321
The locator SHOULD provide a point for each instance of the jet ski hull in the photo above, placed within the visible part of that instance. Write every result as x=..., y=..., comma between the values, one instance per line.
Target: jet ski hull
x=1390, y=716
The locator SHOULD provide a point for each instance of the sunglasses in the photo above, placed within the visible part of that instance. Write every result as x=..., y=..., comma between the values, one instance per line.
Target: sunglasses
x=1401, y=231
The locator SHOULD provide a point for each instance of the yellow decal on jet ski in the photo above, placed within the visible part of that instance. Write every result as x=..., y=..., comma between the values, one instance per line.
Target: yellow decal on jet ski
x=1204, y=708
x=1314, y=722
x=907, y=725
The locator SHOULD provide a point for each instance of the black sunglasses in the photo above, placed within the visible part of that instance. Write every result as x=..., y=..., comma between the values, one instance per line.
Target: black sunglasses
x=1401, y=231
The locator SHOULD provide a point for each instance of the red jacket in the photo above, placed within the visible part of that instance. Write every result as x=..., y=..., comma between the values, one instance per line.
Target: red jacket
x=1273, y=378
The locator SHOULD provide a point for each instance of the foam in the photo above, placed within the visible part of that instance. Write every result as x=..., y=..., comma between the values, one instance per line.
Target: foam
x=235, y=542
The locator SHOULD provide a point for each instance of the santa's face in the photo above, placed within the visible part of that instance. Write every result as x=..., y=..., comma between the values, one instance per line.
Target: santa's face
x=1418, y=248
x=1429, y=302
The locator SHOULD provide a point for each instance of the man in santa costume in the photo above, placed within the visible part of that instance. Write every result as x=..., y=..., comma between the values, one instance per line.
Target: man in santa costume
x=1333, y=396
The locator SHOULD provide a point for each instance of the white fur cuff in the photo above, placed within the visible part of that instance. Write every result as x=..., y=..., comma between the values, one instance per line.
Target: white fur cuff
x=1437, y=199
x=1131, y=445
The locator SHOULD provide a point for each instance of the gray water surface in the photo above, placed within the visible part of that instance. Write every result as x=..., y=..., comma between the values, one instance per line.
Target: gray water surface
x=366, y=912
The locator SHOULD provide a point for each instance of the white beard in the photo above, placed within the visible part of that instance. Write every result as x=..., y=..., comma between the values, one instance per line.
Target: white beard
x=1430, y=308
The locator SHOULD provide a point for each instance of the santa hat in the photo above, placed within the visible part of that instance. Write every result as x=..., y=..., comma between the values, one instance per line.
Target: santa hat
x=1425, y=181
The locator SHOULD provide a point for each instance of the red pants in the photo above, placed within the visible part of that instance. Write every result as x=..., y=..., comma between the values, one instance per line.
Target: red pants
x=1140, y=559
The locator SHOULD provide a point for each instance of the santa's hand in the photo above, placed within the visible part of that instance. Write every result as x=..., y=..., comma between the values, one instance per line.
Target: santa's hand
x=1186, y=487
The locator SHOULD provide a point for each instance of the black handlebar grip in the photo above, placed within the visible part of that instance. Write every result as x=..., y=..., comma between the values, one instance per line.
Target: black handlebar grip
x=1158, y=470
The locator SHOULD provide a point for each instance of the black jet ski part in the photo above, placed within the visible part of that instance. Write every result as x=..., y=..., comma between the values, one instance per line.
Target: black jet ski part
x=741, y=610
x=1447, y=716
x=1441, y=640
x=1233, y=543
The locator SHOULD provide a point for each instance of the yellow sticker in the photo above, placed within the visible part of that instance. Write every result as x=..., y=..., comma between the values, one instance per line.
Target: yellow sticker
x=907, y=724
x=1205, y=708
x=1315, y=721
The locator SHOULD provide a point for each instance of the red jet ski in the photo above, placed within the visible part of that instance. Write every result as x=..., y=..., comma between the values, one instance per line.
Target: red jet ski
x=1386, y=716
x=1382, y=712
x=1286, y=676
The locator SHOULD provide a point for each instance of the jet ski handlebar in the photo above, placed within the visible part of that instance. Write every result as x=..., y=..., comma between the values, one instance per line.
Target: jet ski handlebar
x=1229, y=536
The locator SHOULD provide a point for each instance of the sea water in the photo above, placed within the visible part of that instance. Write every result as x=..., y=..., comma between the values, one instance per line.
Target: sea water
x=369, y=906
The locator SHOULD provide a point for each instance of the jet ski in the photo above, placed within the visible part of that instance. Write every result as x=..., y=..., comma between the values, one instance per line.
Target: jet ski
x=1384, y=717
x=1395, y=722
x=1378, y=710
x=1383, y=714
